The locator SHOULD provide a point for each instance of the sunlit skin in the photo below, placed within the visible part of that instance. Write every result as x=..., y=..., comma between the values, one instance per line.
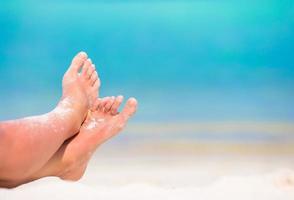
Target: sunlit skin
x=26, y=145
x=102, y=123
x=71, y=160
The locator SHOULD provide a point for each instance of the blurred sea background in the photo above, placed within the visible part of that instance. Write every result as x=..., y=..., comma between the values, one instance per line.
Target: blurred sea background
x=213, y=78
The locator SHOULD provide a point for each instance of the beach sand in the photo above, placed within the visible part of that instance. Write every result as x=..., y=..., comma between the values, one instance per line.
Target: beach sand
x=175, y=171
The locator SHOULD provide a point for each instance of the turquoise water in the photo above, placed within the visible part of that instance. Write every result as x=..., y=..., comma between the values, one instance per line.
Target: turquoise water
x=183, y=60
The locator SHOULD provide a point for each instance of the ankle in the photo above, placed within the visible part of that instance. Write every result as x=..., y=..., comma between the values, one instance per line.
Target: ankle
x=69, y=116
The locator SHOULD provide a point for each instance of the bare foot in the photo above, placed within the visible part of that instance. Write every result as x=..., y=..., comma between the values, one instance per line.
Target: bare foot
x=80, y=89
x=89, y=73
x=71, y=161
x=31, y=142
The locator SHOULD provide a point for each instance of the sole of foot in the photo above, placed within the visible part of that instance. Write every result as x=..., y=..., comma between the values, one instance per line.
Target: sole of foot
x=101, y=124
x=80, y=89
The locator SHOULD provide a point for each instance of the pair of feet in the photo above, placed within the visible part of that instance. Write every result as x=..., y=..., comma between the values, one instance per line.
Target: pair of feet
x=97, y=119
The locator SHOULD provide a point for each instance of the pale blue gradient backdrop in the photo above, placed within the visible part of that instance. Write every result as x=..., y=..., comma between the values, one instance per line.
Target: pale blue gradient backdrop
x=183, y=60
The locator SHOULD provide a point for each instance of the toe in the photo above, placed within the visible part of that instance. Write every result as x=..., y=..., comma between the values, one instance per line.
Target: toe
x=129, y=109
x=96, y=85
x=86, y=67
x=78, y=62
x=102, y=103
x=109, y=104
x=96, y=104
x=90, y=71
x=94, y=92
x=93, y=78
x=117, y=102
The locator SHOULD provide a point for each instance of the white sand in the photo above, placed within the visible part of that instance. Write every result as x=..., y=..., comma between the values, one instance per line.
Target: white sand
x=161, y=162
x=170, y=177
x=165, y=165
x=255, y=187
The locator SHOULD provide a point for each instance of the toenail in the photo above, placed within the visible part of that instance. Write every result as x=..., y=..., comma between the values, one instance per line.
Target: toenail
x=82, y=53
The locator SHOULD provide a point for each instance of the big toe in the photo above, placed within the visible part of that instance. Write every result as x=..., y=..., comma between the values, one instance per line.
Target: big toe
x=129, y=109
x=78, y=62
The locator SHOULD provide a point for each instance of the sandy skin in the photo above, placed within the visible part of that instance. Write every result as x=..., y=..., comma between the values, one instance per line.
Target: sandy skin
x=102, y=123
x=27, y=144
